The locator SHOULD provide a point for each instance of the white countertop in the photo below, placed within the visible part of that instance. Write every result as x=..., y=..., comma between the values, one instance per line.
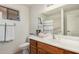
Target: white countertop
x=67, y=44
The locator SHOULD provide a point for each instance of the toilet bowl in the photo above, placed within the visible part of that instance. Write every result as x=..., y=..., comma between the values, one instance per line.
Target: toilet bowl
x=24, y=47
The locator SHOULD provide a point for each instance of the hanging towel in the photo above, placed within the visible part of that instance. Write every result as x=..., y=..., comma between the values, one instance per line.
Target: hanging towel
x=2, y=30
x=10, y=32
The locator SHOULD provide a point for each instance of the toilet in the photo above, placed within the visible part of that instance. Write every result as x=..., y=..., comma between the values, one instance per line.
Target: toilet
x=24, y=48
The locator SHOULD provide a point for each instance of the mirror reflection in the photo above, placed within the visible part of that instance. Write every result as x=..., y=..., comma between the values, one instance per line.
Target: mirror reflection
x=65, y=20
x=72, y=18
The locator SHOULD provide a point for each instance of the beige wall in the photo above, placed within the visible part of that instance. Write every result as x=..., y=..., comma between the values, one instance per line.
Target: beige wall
x=35, y=12
x=21, y=29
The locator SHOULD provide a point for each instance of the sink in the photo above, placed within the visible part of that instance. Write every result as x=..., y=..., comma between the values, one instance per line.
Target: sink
x=69, y=43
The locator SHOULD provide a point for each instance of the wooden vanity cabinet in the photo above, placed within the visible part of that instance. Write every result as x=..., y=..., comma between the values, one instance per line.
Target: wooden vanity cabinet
x=33, y=47
x=48, y=48
x=69, y=52
x=33, y=50
x=41, y=51
x=37, y=47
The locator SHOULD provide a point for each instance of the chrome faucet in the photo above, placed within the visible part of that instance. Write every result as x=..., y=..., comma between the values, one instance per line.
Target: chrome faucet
x=54, y=36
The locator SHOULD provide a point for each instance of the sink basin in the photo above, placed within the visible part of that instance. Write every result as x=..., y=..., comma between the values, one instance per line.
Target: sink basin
x=69, y=43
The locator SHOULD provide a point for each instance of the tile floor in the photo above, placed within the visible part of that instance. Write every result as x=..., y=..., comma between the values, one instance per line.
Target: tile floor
x=23, y=52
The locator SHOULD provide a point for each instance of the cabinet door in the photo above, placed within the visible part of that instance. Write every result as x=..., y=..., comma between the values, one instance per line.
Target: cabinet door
x=33, y=43
x=69, y=52
x=33, y=50
x=50, y=49
x=13, y=14
x=3, y=10
x=40, y=51
x=33, y=46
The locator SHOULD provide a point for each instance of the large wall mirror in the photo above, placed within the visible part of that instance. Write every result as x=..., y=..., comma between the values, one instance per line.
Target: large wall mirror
x=72, y=22
x=56, y=22
x=65, y=20
x=56, y=18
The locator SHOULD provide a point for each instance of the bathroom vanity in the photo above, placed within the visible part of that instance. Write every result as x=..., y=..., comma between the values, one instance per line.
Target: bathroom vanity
x=52, y=46
x=65, y=21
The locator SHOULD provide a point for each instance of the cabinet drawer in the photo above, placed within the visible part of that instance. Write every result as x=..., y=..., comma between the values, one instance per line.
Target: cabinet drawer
x=40, y=51
x=33, y=50
x=49, y=48
x=69, y=52
x=33, y=42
